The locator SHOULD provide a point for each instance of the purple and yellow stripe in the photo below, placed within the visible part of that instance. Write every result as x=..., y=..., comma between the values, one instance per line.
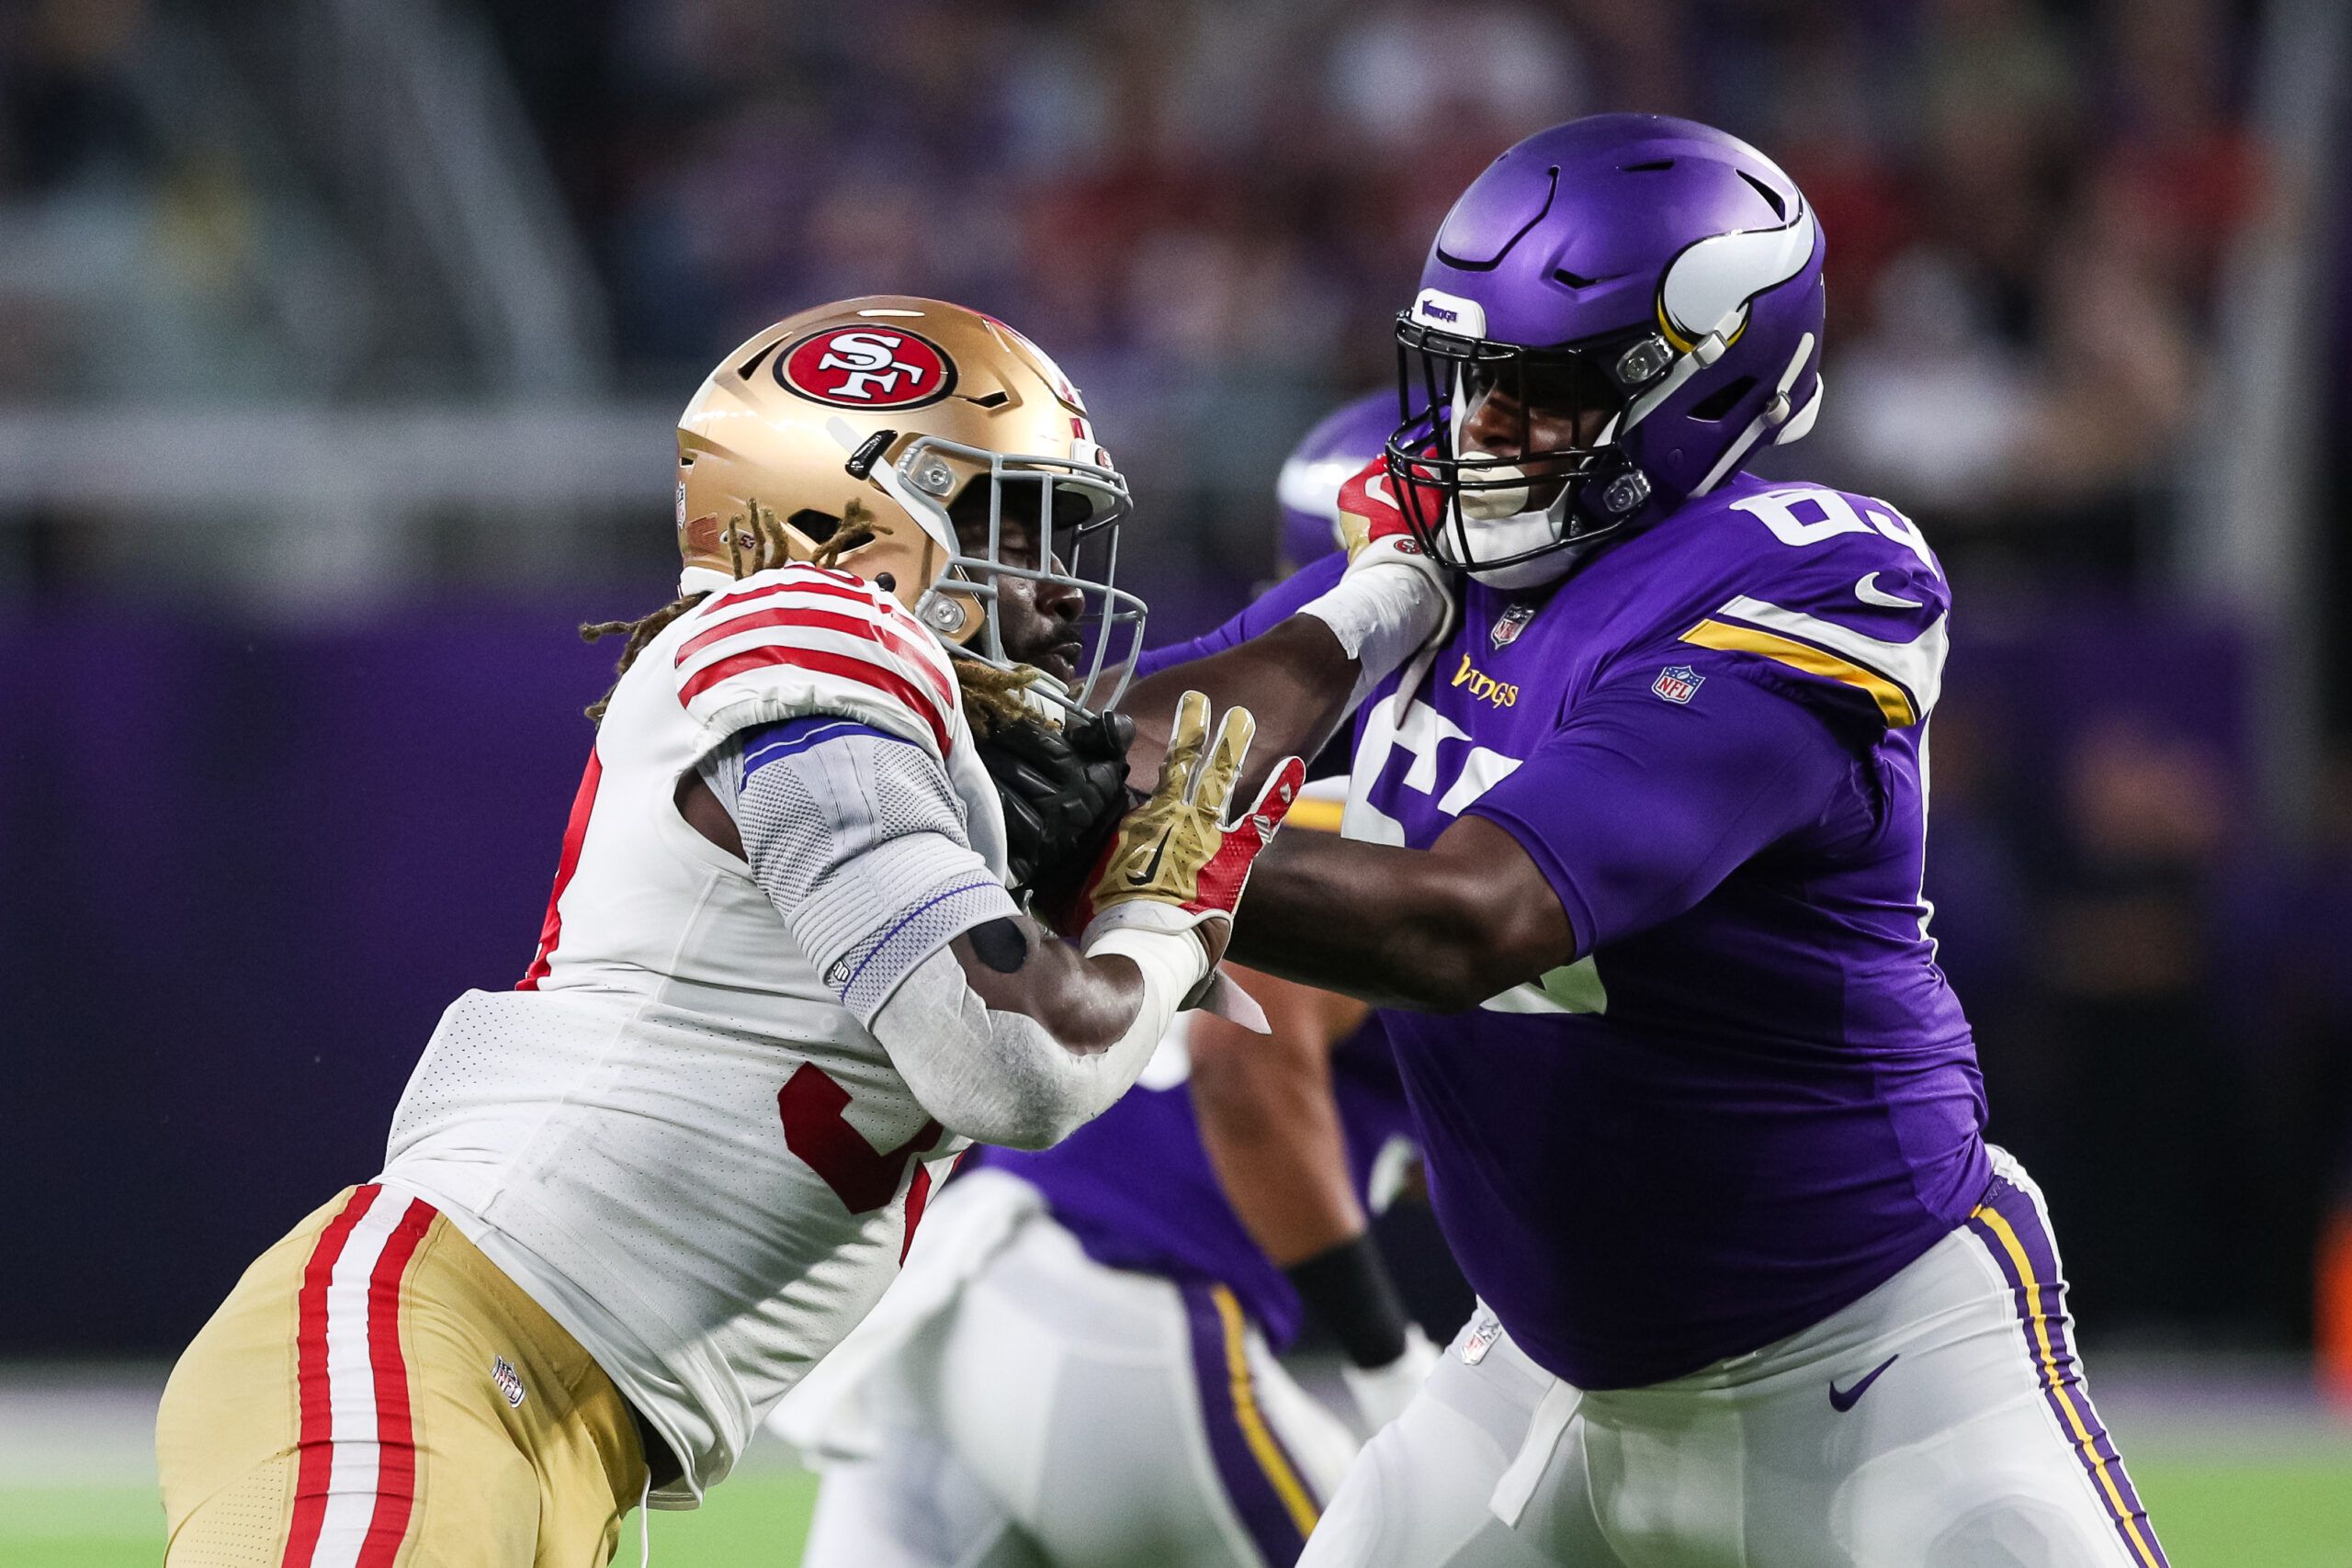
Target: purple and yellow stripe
x=2010, y=1225
x=1893, y=701
x=1261, y=1480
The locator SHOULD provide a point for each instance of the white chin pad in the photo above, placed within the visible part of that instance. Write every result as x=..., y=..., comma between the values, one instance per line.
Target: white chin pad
x=1494, y=539
x=1505, y=537
x=1498, y=504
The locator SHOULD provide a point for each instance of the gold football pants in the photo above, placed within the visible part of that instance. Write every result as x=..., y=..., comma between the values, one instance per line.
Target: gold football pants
x=375, y=1393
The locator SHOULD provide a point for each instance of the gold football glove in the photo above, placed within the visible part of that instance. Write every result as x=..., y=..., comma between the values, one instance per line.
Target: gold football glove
x=1176, y=862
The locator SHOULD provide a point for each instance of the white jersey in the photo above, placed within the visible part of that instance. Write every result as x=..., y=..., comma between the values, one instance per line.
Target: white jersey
x=674, y=1135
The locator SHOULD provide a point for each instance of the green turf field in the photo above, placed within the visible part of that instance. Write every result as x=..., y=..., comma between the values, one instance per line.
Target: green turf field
x=2259, y=1510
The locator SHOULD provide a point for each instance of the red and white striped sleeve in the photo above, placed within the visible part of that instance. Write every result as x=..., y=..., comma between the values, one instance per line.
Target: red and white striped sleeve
x=803, y=640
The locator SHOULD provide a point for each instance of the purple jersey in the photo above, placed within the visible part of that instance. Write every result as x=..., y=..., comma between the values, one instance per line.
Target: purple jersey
x=1135, y=1185
x=1751, y=1098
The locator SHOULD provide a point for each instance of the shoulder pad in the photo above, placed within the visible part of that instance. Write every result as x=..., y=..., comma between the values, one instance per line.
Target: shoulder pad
x=1841, y=588
x=802, y=639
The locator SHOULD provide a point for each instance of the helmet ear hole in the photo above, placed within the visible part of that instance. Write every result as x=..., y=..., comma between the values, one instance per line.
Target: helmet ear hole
x=1722, y=400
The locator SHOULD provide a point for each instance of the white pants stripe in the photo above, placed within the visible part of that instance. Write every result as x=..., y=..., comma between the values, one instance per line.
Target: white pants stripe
x=357, y=1484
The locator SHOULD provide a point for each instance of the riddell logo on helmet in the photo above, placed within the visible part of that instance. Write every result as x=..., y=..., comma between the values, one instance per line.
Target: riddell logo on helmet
x=860, y=368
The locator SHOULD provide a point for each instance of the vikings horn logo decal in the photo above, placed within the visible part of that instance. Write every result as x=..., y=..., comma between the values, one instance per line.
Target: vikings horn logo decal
x=867, y=367
x=1708, y=288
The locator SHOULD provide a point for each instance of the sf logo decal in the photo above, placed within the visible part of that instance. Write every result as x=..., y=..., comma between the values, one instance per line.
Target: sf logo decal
x=867, y=367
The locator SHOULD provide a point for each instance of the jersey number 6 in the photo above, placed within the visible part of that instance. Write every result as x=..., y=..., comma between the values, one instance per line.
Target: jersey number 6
x=814, y=1129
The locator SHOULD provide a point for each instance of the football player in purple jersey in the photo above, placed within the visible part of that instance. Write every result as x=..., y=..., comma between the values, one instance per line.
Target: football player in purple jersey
x=1638, y=811
x=1078, y=1365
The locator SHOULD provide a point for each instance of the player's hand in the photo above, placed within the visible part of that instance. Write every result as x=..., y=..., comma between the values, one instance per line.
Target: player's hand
x=1177, y=863
x=1063, y=792
x=1394, y=599
x=1375, y=531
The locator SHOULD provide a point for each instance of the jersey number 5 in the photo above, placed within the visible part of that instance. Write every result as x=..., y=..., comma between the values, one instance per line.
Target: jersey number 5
x=815, y=1130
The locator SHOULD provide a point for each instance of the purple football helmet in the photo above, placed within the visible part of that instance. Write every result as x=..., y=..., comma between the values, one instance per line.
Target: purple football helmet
x=1654, y=270
x=1328, y=456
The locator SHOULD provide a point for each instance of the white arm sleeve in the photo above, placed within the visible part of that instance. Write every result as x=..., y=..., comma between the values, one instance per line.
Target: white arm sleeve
x=999, y=1077
x=858, y=840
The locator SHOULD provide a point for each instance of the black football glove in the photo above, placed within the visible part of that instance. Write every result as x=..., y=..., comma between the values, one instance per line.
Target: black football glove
x=1063, y=790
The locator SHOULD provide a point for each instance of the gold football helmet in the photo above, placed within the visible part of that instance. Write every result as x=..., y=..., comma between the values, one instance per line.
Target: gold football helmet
x=845, y=433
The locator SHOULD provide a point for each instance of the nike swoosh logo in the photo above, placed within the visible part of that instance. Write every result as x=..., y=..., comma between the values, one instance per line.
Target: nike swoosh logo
x=1870, y=593
x=1151, y=869
x=1842, y=1400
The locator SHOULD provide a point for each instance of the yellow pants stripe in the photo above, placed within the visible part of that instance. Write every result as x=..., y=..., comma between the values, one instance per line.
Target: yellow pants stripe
x=2059, y=1389
x=1295, y=1498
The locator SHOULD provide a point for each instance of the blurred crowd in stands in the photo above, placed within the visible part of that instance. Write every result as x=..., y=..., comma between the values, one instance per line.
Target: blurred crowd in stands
x=2027, y=203
x=1215, y=205
x=126, y=221
x=1209, y=211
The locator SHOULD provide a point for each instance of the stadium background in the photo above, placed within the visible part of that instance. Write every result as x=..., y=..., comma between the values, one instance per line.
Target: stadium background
x=340, y=343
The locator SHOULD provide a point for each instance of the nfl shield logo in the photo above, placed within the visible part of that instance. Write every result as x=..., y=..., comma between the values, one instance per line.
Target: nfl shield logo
x=509, y=1381
x=1678, y=683
x=1507, y=625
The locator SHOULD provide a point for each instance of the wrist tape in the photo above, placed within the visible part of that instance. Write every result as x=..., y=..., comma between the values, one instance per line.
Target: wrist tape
x=1382, y=617
x=1172, y=964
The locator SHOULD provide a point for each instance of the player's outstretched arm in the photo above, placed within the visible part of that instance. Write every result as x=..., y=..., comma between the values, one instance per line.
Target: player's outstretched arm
x=1436, y=929
x=1003, y=1031
x=1296, y=677
x=1304, y=676
x=1625, y=816
x=1034, y=1037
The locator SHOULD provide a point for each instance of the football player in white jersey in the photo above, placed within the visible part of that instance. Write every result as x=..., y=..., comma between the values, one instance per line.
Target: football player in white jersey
x=1078, y=1367
x=629, y=1204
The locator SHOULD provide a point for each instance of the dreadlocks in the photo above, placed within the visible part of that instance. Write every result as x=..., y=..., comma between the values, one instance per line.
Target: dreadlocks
x=991, y=696
x=639, y=632
x=754, y=543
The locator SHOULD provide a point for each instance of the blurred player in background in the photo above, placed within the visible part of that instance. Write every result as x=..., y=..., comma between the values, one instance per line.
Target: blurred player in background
x=1641, y=775
x=1076, y=1367
x=627, y=1203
